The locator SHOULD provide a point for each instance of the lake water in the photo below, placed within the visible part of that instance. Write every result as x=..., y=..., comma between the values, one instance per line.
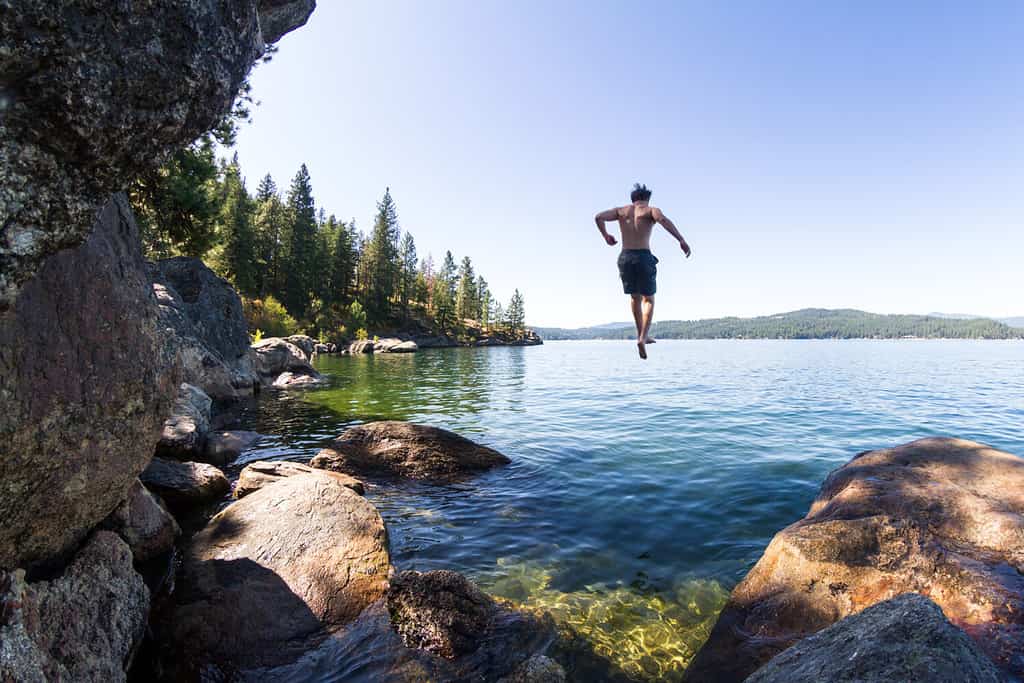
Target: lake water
x=641, y=492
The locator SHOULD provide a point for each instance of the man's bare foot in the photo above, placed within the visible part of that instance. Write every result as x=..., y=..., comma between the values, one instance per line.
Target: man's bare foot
x=642, y=349
x=650, y=341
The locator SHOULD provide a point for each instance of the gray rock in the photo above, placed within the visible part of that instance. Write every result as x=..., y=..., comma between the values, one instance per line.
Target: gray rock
x=906, y=638
x=184, y=486
x=94, y=93
x=361, y=346
x=256, y=475
x=144, y=524
x=407, y=450
x=204, y=324
x=322, y=348
x=291, y=380
x=184, y=433
x=272, y=576
x=83, y=625
x=275, y=356
x=304, y=343
x=85, y=384
x=402, y=347
x=537, y=669
x=223, y=447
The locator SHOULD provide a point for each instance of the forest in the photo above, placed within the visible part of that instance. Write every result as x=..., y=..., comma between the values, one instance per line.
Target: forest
x=810, y=323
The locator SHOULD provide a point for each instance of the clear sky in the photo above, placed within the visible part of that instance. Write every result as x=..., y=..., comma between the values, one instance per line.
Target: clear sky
x=835, y=154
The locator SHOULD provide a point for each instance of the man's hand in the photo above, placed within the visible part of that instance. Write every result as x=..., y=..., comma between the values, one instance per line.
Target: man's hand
x=601, y=219
x=685, y=247
x=610, y=239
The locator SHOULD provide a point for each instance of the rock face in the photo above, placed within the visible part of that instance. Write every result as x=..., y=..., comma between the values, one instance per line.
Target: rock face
x=184, y=433
x=84, y=386
x=82, y=626
x=272, y=575
x=255, y=476
x=204, y=324
x=223, y=447
x=144, y=524
x=362, y=346
x=940, y=517
x=275, y=356
x=903, y=639
x=407, y=450
x=304, y=343
x=185, y=485
x=92, y=93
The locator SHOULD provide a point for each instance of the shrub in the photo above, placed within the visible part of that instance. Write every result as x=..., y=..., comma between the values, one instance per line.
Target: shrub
x=257, y=337
x=269, y=316
x=361, y=334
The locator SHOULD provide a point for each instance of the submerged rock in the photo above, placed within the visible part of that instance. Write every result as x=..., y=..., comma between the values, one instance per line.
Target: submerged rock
x=291, y=380
x=85, y=384
x=83, y=625
x=941, y=517
x=271, y=576
x=262, y=473
x=144, y=524
x=204, y=324
x=407, y=450
x=185, y=486
x=223, y=447
x=184, y=433
x=903, y=639
x=441, y=612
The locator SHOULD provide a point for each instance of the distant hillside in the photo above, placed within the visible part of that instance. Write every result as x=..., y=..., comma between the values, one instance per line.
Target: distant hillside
x=809, y=323
x=1016, y=321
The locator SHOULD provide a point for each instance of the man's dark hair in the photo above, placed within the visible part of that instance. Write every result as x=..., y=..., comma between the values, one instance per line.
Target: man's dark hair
x=640, y=193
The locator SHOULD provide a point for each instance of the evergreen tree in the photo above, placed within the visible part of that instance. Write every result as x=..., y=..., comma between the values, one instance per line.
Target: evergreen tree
x=444, y=293
x=483, y=298
x=465, y=298
x=516, y=313
x=238, y=258
x=343, y=265
x=408, y=261
x=382, y=260
x=266, y=189
x=299, y=276
x=271, y=225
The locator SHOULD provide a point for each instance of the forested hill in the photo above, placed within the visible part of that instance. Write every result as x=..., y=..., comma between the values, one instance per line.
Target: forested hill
x=809, y=323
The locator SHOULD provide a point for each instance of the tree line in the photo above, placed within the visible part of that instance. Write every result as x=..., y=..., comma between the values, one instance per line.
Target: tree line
x=299, y=269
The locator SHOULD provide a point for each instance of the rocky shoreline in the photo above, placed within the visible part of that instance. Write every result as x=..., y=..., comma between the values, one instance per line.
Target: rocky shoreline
x=123, y=554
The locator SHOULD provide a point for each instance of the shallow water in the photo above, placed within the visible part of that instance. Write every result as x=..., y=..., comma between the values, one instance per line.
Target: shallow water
x=640, y=493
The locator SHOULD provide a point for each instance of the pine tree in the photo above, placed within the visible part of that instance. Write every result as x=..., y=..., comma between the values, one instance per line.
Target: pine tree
x=483, y=299
x=516, y=313
x=444, y=293
x=408, y=261
x=266, y=189
x=238, y=258
x=382, y=260
x=271, y=227
x=299, y=276
x=465, y=297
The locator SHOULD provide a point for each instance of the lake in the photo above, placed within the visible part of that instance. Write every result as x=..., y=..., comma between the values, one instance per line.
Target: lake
x=641, y=492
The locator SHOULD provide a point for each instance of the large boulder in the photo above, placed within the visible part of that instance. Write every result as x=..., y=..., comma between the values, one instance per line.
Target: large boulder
x=292, y=380
x=144, y=524
x=304, y=343
x=276, y=356
x=407, y=450
x=256, y=475
x=272, y=576
x=906, y=638
x=940, y=517
x=204, y=324
x=184, y=433
x=93, y=93
x=85, y=385
x=185, y=486
x=83, y=625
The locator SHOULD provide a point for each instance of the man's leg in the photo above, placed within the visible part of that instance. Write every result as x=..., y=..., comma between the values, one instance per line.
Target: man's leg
x=648, y=316
x=638, y=316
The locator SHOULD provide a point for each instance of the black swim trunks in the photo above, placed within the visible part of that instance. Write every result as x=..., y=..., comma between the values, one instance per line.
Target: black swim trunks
x=638, y=269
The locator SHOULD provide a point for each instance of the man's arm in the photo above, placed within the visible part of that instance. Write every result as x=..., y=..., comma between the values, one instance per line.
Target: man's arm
x=601, y=219
x=662, y=219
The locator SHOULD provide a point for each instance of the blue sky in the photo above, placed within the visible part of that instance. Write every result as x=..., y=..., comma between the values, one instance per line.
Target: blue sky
x=835, y=154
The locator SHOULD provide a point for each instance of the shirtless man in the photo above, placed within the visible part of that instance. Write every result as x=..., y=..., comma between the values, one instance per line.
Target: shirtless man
x=637, y=265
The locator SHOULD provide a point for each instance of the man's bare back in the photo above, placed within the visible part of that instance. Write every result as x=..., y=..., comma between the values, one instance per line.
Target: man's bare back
x=637, y=265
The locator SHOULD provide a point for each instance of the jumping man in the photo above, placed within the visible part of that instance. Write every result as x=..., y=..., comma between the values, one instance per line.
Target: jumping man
x=637, y=265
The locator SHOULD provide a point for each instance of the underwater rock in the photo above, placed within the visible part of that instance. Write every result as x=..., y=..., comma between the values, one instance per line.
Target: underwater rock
x=223, y=447
x=184, y=433
x=144, y=524
x=256, y=475
x=407, y=450
x=940, y=517
x=441, y=612
x=185, y=486
x=903, y=639
x=271, y=576
x=537, y=669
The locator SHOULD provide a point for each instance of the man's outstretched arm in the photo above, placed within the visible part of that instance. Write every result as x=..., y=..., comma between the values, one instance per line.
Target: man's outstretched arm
x=601, y=219
x=662, y=219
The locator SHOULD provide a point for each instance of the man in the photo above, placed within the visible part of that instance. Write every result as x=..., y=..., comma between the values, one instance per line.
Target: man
x=637, y=265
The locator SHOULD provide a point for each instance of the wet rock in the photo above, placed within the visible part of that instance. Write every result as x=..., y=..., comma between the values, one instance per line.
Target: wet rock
x=85, y=385
x=291, y=380
x=441, y=612
x=434, y=341
x=322, y=348
x=537, y=669
x=275, y=356
x=906, y=638
x=184, y=433
x=95, y=93
x=223, y=447
x=401, y=347
x=362, y=346
x=256, y=475
x=272, y=576
x=941, y=517
x=204, y=324
x=144, y=524
x=407, y=450
x=304, y=343
x=184, y=486
x=83, y=625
